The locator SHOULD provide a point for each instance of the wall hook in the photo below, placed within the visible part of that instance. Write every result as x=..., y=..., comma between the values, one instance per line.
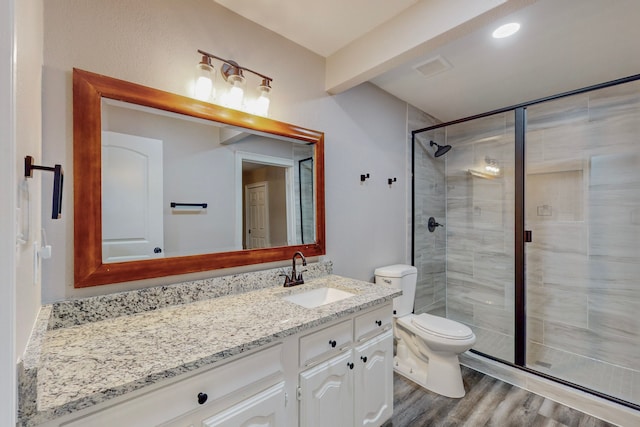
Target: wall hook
x=58, y=177
x=364, y=177
x=392, y=180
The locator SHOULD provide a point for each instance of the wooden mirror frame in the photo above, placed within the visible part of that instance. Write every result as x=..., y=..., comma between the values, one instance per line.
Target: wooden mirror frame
x=89, y=270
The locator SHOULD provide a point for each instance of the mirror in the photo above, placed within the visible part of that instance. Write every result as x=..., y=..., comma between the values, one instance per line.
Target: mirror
x=175, y=186
x=166, y=184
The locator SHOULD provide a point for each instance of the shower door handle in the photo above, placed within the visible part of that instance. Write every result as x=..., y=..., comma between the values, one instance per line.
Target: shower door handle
x=527, y=236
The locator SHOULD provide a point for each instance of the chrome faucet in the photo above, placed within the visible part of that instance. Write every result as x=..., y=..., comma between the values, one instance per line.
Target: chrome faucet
x=296, y=278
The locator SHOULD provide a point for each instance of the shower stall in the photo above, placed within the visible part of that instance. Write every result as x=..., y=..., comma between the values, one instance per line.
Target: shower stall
x=538, y=243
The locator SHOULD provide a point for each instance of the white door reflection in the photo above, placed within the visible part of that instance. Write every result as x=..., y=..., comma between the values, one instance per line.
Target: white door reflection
x=268, y=215
x=132, y=221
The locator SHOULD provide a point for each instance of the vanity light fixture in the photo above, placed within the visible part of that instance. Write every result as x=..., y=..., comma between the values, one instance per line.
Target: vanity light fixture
x=234, y=97
x=233, y=75
x=260, y=106
x=204, y=89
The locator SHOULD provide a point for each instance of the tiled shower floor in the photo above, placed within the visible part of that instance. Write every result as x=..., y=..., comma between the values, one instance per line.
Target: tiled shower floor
x=603, y=377
x=613, y=380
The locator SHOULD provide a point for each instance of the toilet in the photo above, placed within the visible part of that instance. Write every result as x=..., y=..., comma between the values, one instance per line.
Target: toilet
x=427, y=346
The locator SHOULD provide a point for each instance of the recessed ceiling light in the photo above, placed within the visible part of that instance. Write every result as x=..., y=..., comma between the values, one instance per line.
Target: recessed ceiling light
x=506, y=30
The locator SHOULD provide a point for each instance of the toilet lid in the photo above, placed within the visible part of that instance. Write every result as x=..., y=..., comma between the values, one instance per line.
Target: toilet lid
x=441, y=327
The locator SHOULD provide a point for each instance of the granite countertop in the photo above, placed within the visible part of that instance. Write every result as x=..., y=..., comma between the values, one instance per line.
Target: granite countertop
x=77, y=366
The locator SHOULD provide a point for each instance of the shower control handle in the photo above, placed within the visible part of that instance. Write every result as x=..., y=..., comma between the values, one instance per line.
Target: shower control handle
x=332, y=343
x=379, y=322
x=432, y=224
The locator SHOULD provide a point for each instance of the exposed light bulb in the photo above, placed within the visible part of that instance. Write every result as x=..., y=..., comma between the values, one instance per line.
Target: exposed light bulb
x=260, y=106
x=236, y=94
x=204, y=89
x=234, y=97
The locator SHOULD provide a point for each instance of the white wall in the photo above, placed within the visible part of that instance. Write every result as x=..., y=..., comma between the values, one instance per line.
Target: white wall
x=20, y=77
x=154, y=43
x=7, y=217
x=28, y=134
x=366, y=222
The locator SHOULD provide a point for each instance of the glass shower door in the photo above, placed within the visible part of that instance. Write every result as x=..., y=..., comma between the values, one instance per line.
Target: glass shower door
x=582, y=205
x=480, y=230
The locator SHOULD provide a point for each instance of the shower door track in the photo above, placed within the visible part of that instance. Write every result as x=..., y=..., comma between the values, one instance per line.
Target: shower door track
x=520, y=344
x=559, y=380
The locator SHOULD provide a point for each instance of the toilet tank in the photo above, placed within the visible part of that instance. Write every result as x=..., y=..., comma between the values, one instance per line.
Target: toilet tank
x=400, y=276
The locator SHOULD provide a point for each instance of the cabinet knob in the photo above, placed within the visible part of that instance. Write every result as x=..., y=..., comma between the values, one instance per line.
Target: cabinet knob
x=333, y=343
x=364, y=358
x=202, y=397
x=379, y=322
x=350, y=365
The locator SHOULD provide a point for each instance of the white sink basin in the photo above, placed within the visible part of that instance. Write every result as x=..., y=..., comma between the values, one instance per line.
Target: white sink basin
x=317, y=297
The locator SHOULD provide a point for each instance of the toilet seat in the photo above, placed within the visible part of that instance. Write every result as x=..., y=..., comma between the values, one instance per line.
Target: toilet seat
x=440, y=327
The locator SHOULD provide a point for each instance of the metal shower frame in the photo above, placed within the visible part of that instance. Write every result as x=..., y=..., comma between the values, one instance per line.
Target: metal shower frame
x=520, y=111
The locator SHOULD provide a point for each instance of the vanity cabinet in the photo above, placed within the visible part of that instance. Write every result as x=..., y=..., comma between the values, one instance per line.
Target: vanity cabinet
x=334, y=375
x=373, y=379
x=248, y=388
x=265, y=409
x=326, y=393
x=350, y=384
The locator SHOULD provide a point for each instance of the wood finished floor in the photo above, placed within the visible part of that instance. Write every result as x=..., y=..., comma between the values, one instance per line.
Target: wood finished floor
x=488, y=402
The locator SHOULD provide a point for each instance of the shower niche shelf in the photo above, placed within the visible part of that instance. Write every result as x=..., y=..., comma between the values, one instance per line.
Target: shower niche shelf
x=555, y=196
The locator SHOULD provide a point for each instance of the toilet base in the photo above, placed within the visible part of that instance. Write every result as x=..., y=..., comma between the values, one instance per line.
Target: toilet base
x=440, y=375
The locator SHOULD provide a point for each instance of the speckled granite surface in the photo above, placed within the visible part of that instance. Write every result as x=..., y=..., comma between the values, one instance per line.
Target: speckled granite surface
x=72, y=367
x=80, y=311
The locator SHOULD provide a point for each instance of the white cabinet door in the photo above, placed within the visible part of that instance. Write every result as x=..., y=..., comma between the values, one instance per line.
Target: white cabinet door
x=326, y=393
x=374, y=381
x=265, y=409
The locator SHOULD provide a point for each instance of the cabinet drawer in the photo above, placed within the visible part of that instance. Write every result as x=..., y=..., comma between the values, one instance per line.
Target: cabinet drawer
x=177, y=399
x=372, y=323
x=264, y=409
x=325, y=343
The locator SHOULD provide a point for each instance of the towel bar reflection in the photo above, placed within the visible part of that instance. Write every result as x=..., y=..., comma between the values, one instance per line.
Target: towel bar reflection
x=188, y=205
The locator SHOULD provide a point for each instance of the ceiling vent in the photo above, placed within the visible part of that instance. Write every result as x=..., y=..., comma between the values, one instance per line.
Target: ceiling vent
x=433, y=66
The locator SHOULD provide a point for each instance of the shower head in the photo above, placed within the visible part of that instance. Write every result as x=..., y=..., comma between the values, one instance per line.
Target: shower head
x=441, y=150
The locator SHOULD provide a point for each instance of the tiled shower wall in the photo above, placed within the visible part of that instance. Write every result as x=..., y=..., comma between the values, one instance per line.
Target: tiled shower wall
x=480, y=230
x=583, y=206
x=429, y=248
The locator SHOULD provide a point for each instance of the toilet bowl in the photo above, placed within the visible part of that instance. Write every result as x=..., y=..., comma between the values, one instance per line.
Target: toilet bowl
x=427, y=346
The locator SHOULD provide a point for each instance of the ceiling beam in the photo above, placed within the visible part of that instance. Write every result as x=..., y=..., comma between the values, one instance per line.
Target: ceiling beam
x=420, y=29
